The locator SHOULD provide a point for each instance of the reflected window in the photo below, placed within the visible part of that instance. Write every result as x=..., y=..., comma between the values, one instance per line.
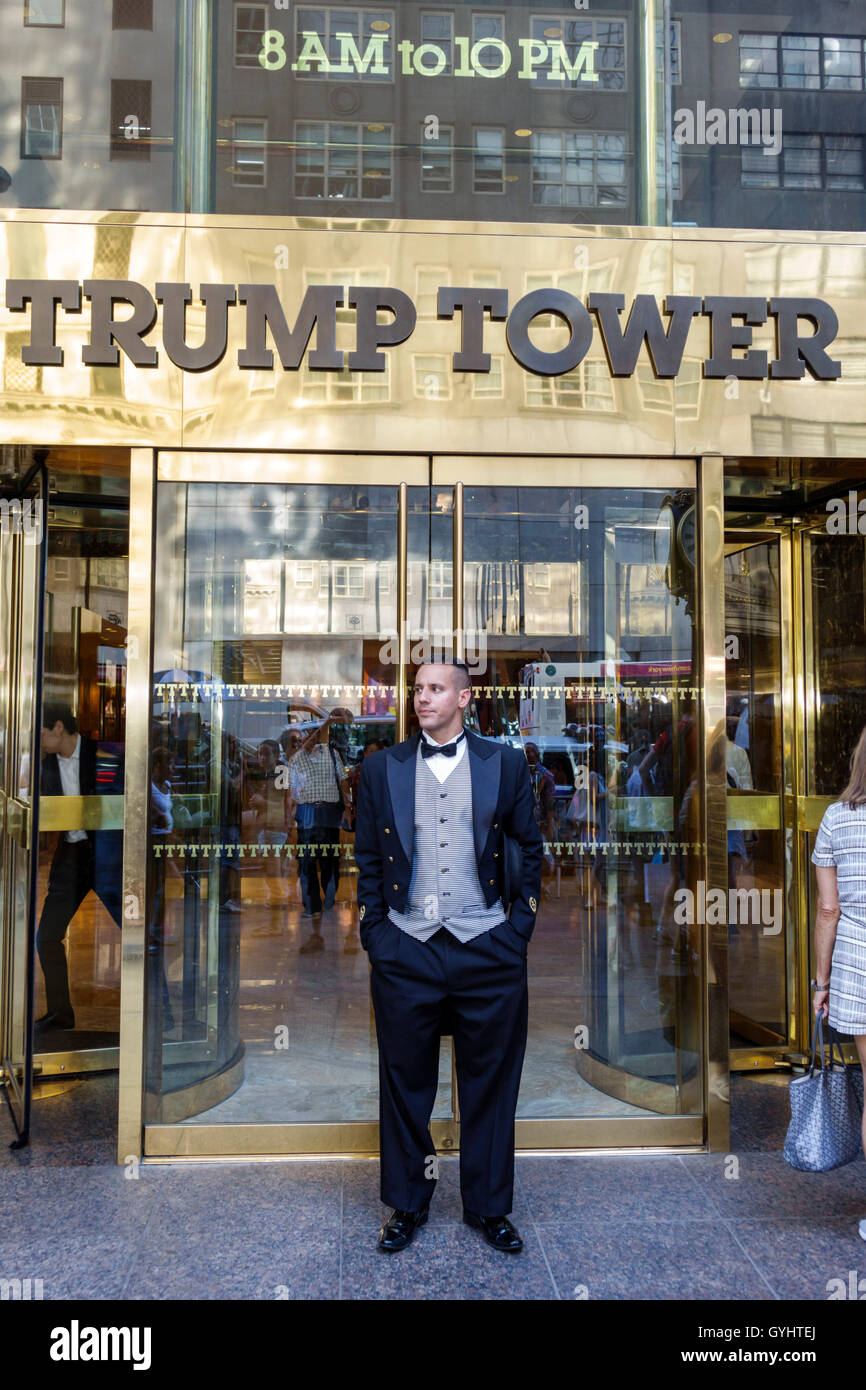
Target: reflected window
x=249, y=158
x=441, y=579
x=342, y=160
x=428, y=279
x=47, y=14
x=759, y=60
x=130, y=119
x=19, y=375
x=432, y=377
x=251, y=21
x=437, y=27
x=801, y=62
x=588, y=387
x=484, y=28
x=349, y=581
x=488, y=160
x=578, y=47
x=345, y=387
x=671, y=151
x=806, y=161
x=358, y=44
x=674, y=47
x=571, y=169
x=304, y=575
x=132, y=14
x=437, y=162
x=41, y=117
x=490, y=386
x=852, y=352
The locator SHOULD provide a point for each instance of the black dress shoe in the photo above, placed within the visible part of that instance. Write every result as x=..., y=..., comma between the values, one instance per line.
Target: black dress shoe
x=60, y=1021
x=399, y=1229
x=496, y=1230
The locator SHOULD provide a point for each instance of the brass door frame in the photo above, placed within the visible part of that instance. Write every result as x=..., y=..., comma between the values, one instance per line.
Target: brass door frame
x=808, y=808
x=60, y=813
x=799, y=812
x=781, y=815
x=20, y=816
x=136, y=1138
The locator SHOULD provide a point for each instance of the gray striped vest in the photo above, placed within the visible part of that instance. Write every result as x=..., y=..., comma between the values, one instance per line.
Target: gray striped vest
x=445, y=890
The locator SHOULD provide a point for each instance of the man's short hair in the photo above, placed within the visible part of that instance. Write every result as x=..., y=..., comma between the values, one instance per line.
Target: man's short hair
x=464, y=680
x=53, y=710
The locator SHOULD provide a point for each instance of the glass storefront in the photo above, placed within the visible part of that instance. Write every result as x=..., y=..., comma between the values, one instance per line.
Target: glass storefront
x=275, y=674
x=328, y=331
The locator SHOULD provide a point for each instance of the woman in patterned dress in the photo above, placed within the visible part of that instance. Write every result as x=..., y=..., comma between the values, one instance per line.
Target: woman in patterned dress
x=839, y=857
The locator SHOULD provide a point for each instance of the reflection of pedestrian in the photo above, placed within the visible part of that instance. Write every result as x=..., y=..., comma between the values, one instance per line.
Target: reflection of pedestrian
x=161, y=825
x=739, y=776
x=272, y=805
x=543, y=791
x=230, y=812
x=587, y=813
x=353, y=943
x=83, y=859
x=321, y=790
x=544, y=803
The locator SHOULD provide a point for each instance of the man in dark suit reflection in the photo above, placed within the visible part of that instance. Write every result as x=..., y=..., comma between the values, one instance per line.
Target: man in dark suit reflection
x=432, y=815
x=73, y=765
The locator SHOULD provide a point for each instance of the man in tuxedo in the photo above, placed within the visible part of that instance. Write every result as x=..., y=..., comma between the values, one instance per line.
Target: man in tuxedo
x=74, y=766
x=431, y=855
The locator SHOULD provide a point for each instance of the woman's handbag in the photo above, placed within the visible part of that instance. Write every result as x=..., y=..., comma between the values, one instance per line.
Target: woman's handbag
x=826, y=1113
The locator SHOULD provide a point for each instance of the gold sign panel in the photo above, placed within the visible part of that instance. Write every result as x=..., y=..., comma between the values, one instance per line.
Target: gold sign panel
x=420, y=399
x=73, y=403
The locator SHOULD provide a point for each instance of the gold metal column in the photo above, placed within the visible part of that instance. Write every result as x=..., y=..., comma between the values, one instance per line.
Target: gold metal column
x=457, y=572
x=650, y=15
x=136, y=804
x=402, y=608
x=792, y=614
x=452, y=1137
x=711, y=635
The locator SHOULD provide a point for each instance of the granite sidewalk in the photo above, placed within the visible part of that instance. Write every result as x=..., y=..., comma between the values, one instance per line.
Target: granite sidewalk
x=630, y=1226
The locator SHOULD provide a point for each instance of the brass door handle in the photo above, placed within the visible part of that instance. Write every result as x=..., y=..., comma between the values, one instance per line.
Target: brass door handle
x=81, y=812
x=18, y=822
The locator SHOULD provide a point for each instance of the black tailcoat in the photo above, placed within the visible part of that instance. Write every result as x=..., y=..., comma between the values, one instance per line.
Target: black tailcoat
x=502, y=803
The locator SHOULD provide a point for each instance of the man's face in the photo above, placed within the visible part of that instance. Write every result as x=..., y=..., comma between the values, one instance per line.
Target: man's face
x=531, y=754
x=51, y=739
x=438, y=700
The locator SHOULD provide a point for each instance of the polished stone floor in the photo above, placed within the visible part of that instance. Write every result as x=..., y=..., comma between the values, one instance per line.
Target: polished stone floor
x=627, y=1226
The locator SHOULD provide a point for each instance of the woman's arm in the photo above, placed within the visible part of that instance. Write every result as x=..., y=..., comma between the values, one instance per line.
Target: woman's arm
x=827, y=919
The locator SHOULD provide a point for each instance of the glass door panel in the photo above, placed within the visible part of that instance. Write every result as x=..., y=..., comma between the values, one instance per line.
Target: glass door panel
x=21, y=579
x=585, y=599
x=276, y=671
x=834, y=594
x=758, y=924
x=80, y=840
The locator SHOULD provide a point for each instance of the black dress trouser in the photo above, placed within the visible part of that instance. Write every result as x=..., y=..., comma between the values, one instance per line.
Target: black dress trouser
x=72, y=875
x=477, y=989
